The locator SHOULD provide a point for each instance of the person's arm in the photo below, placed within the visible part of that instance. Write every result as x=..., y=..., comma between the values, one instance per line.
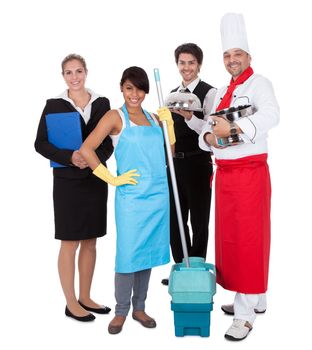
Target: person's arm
x=222, y=127
x=256, y=125
x=198, y=124
x=207, y=139
x=109, y=124
x=266, y=114
x=105, y=150
x=160, y=124
x=42, y=144
x=78, y=160
x=209, y=102
x=164, y=114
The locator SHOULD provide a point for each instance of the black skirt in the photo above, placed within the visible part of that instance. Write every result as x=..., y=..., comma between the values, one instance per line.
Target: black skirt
x=80, y=208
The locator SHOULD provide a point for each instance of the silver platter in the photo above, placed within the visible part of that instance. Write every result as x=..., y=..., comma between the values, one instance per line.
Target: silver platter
x=175, y=108
x=185, y=101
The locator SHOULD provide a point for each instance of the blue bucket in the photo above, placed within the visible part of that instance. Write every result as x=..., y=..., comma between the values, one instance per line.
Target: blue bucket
x=192, y=290
x=194, y=284
x=191, y=319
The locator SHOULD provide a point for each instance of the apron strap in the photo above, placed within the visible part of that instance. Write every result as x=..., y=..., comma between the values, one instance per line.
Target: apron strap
x=149, y=118
x=126, y=114
x=127, y=120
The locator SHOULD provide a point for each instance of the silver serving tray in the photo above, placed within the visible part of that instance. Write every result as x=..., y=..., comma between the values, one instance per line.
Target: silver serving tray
x=234, y=113
x=175, y=108
x=185, y=101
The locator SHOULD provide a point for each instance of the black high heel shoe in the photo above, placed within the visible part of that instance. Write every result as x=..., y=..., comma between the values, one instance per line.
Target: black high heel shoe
x=101, y=310
x=86, y=318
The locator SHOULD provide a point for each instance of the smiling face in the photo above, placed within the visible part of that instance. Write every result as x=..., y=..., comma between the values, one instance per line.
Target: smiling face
x=188, y=67
x=236, y=61
x=75, y=75
x=132, y=95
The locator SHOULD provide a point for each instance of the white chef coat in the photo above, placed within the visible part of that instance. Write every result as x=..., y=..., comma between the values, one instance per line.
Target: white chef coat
x=258, y=92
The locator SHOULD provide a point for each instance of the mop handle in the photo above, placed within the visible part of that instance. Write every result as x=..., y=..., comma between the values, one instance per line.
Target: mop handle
x=172, y=172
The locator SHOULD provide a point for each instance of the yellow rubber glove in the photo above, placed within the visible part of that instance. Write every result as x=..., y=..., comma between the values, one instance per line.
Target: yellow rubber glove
x=165, y=115
x=124, y=179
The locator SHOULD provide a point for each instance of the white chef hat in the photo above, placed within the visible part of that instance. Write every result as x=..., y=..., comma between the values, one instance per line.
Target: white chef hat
x=233, y=32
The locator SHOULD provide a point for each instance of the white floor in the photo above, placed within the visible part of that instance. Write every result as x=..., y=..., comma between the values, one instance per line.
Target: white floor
x=113, y=35
x=33, y=317
x=32, y=303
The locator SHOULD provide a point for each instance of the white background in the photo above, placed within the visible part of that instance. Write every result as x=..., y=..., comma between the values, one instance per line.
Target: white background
x=113, y=35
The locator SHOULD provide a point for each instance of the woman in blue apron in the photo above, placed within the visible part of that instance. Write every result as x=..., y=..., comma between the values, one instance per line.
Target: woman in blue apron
x=141, y=200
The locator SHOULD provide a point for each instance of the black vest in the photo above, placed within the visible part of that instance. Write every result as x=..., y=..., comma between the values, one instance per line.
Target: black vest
x=186, y=138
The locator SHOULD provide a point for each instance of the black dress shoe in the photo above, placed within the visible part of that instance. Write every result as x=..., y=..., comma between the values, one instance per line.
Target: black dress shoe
x=101, y=310
x=86, y=318
x=165, y=281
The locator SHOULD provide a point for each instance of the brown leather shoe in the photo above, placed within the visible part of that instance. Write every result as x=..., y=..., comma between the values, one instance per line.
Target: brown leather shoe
x=144, y=319
x=116, y=324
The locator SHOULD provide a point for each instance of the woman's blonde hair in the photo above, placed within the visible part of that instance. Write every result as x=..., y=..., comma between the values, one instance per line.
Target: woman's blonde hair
x=71, y=57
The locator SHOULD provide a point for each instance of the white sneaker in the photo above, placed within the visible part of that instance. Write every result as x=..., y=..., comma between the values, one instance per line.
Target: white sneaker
x=239, y=330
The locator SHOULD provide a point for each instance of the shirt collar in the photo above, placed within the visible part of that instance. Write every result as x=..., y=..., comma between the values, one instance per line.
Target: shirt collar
x=64, y=96
x=190, y=86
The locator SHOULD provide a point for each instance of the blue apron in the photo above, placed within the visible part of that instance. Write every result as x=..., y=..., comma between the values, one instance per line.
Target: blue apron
x=142, y=210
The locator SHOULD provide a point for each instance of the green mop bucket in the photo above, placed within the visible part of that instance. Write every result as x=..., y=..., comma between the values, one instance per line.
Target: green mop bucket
x=195, y=284
x=192, y=290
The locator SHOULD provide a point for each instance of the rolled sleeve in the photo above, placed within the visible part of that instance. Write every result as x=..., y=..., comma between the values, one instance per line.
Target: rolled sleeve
x=201, y=142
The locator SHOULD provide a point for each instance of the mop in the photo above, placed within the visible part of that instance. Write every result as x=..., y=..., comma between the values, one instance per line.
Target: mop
x=192, y=283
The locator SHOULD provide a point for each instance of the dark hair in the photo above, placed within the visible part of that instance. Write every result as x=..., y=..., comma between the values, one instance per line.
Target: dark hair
x=71, y=57
x=191, y=48
x=138, y=78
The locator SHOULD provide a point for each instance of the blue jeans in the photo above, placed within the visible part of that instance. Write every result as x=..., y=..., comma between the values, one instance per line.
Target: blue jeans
x=127, y=284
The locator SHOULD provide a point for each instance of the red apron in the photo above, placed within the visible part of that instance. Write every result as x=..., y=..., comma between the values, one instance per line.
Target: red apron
x=243, y=198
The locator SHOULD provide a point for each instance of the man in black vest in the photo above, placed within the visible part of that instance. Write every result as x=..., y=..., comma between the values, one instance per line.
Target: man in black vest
x=193, y=167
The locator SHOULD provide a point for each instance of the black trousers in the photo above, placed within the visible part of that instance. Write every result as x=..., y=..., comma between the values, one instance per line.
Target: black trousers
x=193, y=174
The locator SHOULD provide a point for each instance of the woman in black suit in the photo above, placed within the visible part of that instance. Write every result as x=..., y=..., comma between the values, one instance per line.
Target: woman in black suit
x=80, y=198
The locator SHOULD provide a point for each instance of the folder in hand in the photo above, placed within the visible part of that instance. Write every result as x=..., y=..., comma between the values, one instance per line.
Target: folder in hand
x=64, y=131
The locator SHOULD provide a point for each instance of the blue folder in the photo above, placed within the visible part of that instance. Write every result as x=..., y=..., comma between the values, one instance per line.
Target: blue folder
x=64, y=131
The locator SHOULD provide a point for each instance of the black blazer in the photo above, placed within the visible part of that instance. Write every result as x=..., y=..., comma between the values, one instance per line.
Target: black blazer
x=63, y=156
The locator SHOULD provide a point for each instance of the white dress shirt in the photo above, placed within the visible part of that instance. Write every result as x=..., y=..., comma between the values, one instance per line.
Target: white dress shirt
x=86, y=112
x=258, y=92
x=195, y=123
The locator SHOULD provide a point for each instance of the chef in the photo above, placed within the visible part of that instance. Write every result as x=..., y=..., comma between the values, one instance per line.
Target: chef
x=242, y=184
